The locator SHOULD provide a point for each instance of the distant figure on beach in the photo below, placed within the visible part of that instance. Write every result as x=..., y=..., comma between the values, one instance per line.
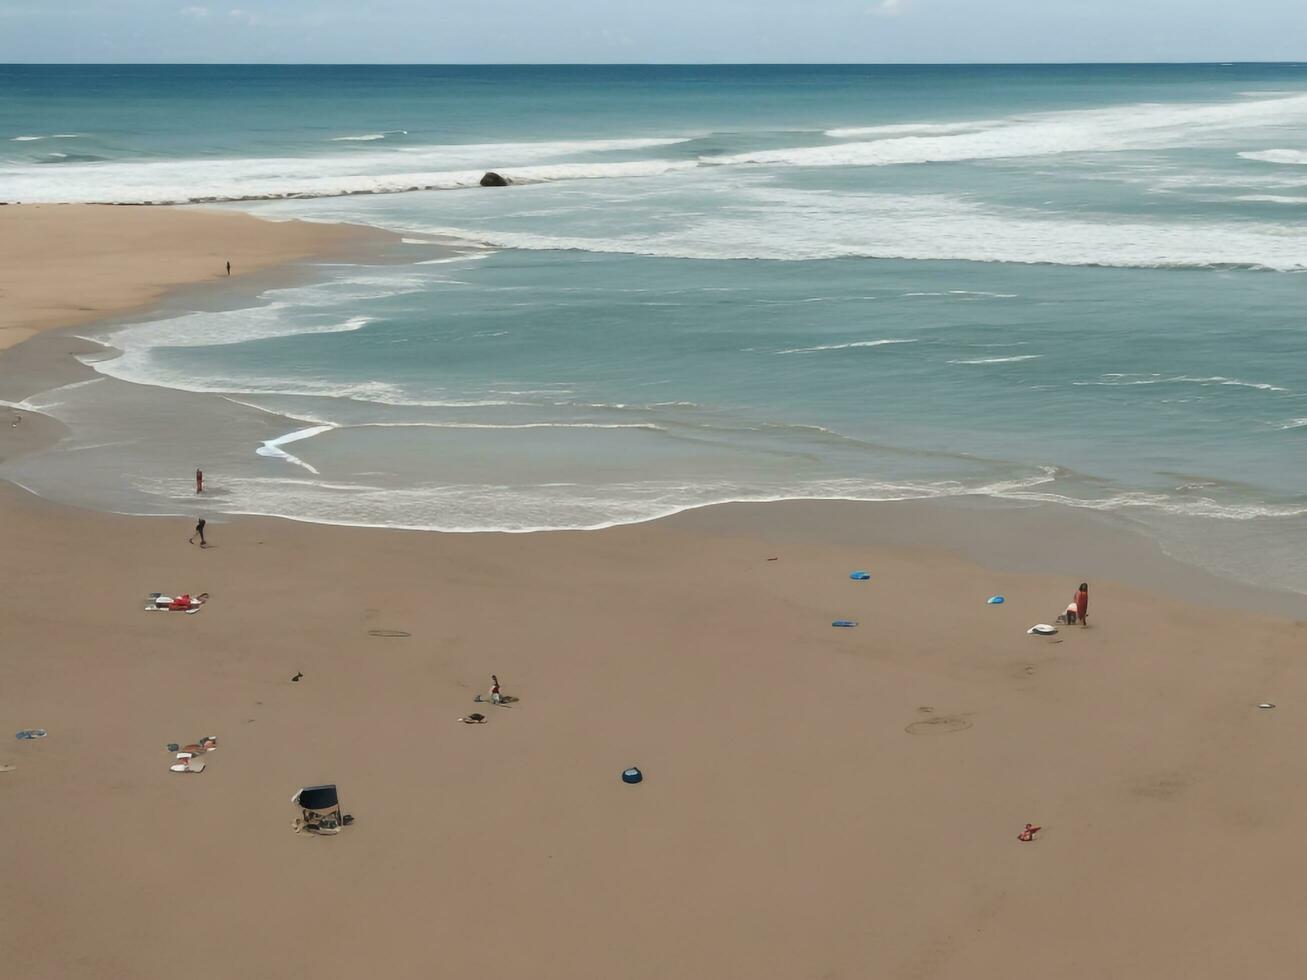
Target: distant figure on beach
x=1071, y=613
x=199, y=530
x=229, y=267
x=199, y=481
x=495, y=696
x=1082, y=604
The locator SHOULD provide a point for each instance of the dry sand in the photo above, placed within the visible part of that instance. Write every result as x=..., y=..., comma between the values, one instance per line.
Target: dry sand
x=818, y=803
x=71, y=263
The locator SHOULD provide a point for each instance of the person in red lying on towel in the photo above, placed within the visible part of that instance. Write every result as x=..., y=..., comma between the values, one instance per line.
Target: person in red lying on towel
x=181, y=602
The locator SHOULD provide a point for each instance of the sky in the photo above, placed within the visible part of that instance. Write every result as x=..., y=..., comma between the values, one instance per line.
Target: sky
x=643, y=31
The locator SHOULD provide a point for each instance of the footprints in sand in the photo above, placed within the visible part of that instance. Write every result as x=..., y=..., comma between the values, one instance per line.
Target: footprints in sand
x=1160, y=786
x=937, y=724
x=370, y=616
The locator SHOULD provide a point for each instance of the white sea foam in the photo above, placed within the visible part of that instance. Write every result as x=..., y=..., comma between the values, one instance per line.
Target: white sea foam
x=1126, y=380
x=912, y=129
x=479, y=507
x=1296, y=157
x=998, y=360
x=776, y=222
x=369, y=137
x=646, y=426
x=1273, y=198
x=273, y=448
x=53, y=136
x=1129, y=127
x=856, y=343
x=462, y=257
x=52, y=398
x=329, y=175
x=281, y=318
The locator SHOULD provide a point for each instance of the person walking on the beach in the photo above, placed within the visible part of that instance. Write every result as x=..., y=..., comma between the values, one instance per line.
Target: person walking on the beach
x=229, y=267
x=199, y=480
x=199, y=530
x=1082, y=604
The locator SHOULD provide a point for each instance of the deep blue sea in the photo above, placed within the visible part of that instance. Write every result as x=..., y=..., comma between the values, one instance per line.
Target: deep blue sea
x=1077, y=284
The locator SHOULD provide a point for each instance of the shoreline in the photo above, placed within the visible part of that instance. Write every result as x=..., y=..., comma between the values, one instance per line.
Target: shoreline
x=38, y=338
x=978, y=529
x=110, y=261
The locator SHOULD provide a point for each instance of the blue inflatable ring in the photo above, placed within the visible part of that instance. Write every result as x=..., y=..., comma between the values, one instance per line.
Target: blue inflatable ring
x=859, y=576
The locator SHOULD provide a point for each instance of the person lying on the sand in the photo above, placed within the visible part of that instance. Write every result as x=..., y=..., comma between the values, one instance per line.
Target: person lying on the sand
x=474, y=719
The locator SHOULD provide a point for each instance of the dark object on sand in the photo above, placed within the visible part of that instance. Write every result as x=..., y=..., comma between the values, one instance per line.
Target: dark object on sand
x=632, y=775
x=474, y=719
x=319, y=810
x=297, y=676
x=388, y=633
x=492, y=179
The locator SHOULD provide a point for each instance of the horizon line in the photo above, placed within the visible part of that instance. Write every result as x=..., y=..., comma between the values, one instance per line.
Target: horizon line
x=639, y=64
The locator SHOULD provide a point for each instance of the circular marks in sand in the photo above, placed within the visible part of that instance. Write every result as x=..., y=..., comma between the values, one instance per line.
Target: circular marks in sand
x=938, y=725
x=388, y=633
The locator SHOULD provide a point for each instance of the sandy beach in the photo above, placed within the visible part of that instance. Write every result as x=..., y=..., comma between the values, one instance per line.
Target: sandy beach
x=66, y=264
x=818, y=802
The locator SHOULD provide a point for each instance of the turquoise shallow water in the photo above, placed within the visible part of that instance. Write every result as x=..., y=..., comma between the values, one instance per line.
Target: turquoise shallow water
x=1077, y=284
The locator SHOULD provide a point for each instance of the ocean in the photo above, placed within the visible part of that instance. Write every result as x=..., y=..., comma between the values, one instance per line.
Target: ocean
x=1081, y=285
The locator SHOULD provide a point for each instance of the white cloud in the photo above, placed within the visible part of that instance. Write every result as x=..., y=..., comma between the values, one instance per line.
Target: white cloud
x=889, y=8
x=197, y=12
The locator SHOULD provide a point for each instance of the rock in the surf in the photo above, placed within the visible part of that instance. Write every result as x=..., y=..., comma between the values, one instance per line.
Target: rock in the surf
x=492, y=179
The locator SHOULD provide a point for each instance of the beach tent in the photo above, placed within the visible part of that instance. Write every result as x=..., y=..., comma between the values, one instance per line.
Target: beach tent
x=319, y=810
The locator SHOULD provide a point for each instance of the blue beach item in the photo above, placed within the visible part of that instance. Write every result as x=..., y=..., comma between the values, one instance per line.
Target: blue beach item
x=30, y=733
x=859, y=576
x=996, y=600
x=845, y=623
x=632, y=775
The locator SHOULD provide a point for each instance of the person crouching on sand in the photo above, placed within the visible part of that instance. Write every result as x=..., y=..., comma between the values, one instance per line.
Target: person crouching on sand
x=1082, y=604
